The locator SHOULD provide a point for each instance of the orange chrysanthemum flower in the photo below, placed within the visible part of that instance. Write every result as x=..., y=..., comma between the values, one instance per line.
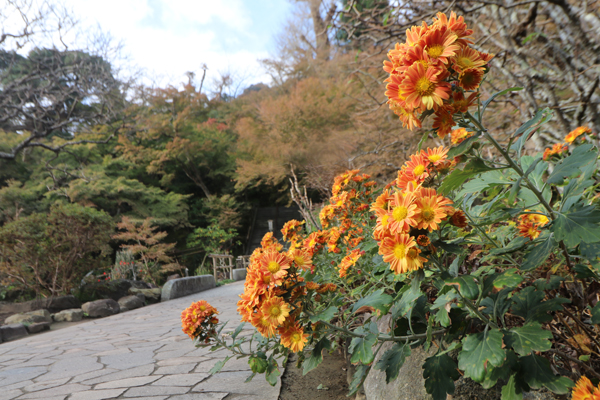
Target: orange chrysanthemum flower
x=198, y=320
x=467, y=58
x=402, y=209
x=349, y=261
x=274, y=263
x=269, y=242
x=380, y=206
x=470, y=78
x=456, y=25
x=460, y=104
x=431, y=209
x=262, y=324
x=415, y=33
x=529, y=230
x=294, y=338
x=585, y=390
x=301, y=257
x=440, y=43
x=310, y=285
x=459, y=135
x=275, y=310
x=425, y=88
x=291, y=229
x=443, y=122
x=408, y=118
x=574, y=134
x=394, y=250
x=557, y=150
x=423, y=240
x=459, y=219
x=435, y=156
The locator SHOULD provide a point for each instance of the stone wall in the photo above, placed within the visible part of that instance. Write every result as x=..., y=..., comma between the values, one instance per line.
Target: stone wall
x=181, y=287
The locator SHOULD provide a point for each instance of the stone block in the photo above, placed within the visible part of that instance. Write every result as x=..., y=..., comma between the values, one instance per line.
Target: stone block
x=150, y=295
x=130, y=302
x=101, y=308
x=185, y=286
x=38, y=327
x=29, y=318
x=12, y=332
x=42, y=313
x=72, y=315
x=239, y=274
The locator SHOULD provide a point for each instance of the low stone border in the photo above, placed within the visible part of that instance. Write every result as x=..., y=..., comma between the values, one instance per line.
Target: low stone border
x=239, y=274
x=181, y=287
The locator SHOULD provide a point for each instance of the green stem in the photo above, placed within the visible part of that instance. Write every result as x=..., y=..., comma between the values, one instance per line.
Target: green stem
x=385, y=338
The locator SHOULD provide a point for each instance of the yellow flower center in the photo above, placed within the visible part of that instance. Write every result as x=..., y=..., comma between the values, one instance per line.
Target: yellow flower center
x=434, y=157
x=299, y=260
x=202, y=308
x=464, y=62
x=424, y=87
x=427, y=214
x=273, y=267
x=295, y=337
x=266, y=279
x=275, y=311
x=435, y=51
x=399, y=251
x=399, y=213
x=419, y=170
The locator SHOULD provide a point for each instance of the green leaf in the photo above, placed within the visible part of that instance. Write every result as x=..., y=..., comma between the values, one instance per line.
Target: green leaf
x=503, y=372
x=316, y=356
x=528, y=338
x=478, y=350
x=572, y=165
x=514, y=190
x=591, y=251
x=238, y=330
x=392, y=360
x=596, y=314
x=538, y=254
x=510, y=391
x=536, y=372
x=358, y=378
x=219, y=365
x=497, y=304
x=501, y=93
x=440, y=373
x=529, y=305
x=361, y=348
x=466, y=286
x=272, y=372
x=326, y=315
x=258, y=364
x=249, y=379
x=463, y=147
x=378, y=300
x=508, y=278
x=581, y=224
x=540, y=117
x=459, y=176
x=423, y=139
x=583, y=272
x=406, y=302
x=516, y=244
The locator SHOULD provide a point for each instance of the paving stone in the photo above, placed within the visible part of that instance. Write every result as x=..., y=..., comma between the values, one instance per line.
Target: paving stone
x=234, y=382
x=34, y=387
x=93, y=374
x=15, y=375
x=57, y=391
x=174, y=369
x=128, y=360
x=180, y=380
x=144, y=391
x=144, y=370
x=181, y=360
x=97, y=394
x=69, y=367
x=127, y=383
x=200, y=396
x=9, y=394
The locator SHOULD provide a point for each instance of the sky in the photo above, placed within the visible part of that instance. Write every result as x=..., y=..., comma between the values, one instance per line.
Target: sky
x=167, y=38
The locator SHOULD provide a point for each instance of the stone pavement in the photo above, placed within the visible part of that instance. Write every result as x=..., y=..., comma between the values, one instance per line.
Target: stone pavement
x=140, y=354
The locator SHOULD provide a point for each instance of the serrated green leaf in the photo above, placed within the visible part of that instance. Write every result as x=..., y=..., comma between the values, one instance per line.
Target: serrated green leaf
x=249, y=379
x=392, y=360
x=326, y=315
x=316, y=356
x=572, y=165
x=503, y=372
x=478, y=350
x=466, y=286
x=538, y=254
x=540, y=117
x=358, y=378
x=578, y=225
x=497, y=304
x=272, y=372
x=596, y=314
x=238, y=330
x=459, y=176
x=361, y=348
x=219, y=365
x=528, y=338
x=583, y=272
x=591, y=251
x=406, y=302
x=514, y=245
x=529, y=305
x=378, y=300
x=536, y=372
x=510, y=392
x=463, y=147
x=509, y=278
x=440, y=373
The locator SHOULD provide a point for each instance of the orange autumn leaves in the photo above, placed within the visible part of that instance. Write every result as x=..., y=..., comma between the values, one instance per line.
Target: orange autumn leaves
x=408, y=210
x=435, y=69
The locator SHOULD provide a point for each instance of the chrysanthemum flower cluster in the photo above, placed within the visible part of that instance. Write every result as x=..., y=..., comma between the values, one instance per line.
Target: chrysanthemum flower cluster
x=199, y=320
x=272, y=292
x=408, y=210
x=434, y=70
x=530, y=224
x=560, y=149
x=585, y=390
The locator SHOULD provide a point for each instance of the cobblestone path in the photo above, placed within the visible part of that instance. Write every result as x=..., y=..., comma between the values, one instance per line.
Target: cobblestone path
x=140, y=354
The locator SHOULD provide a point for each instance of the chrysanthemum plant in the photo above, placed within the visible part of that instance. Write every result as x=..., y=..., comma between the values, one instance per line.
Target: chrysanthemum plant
x=488, y=262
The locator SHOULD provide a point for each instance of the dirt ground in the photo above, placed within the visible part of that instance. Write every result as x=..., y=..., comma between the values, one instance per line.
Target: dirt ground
x=331, y=375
